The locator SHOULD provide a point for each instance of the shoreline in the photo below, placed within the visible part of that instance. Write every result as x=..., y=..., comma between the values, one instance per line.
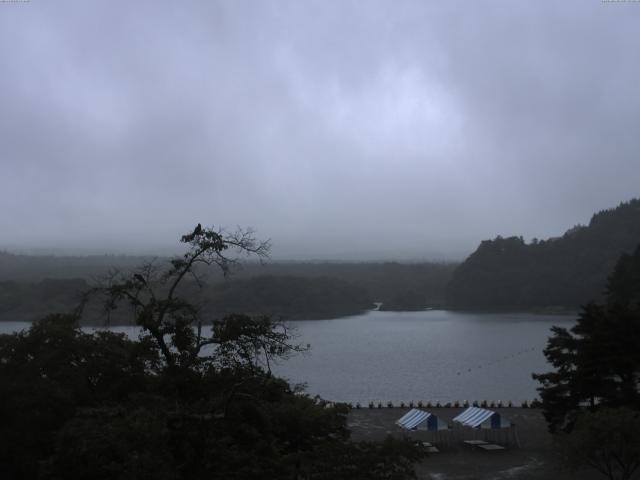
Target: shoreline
x=312, y=317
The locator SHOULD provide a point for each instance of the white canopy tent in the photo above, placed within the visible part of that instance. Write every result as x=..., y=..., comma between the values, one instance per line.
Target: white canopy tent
x=417, y=419
x=476, y=417
x=493, y=425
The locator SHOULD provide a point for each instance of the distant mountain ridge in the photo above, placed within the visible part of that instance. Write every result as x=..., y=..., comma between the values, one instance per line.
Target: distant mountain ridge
x=563, y=272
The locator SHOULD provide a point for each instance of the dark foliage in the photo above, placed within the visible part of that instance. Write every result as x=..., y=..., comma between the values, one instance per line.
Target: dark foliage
x=190, y=399
x=563, y=272
x=51, y=371
x=607, y=440
x=597, y=362
x=80, y=405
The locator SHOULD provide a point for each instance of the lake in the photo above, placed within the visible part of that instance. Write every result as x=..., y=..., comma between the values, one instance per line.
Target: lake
x=409, y=356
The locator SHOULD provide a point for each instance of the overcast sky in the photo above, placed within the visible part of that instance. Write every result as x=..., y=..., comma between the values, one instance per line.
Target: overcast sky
x=339, y=129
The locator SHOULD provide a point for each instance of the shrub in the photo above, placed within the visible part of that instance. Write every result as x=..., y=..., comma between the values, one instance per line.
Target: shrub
x=608, y=440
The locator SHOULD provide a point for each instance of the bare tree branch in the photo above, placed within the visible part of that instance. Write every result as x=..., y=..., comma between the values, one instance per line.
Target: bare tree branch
x=175, y=324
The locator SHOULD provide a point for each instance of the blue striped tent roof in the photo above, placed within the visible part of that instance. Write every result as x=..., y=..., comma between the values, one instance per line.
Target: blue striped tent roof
x=480, y=417
x=419, y=419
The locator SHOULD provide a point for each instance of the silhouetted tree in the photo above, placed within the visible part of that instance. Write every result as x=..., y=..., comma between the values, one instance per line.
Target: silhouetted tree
x=597, y=362
x=165, y=315
x=187, y=400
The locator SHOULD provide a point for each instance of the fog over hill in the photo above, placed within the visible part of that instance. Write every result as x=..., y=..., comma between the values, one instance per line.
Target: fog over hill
x=340, y=130
x=559, y=272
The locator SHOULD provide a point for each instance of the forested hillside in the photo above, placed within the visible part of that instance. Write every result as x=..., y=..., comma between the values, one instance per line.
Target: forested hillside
x=35, y=268
x=287, y=297
x=399, y=286
x=559, y=272
x=284, y=297
x=31, y=286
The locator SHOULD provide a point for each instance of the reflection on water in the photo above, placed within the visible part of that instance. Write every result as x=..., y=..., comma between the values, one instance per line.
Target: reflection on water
x=403, y=356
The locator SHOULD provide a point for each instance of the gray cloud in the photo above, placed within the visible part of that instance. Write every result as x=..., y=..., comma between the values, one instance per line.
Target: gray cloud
x=338, y=129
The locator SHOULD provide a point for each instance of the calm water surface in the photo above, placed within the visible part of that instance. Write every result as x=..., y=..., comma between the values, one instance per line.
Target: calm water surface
x=429, y=356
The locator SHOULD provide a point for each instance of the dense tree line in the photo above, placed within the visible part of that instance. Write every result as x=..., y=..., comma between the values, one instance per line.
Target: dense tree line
x=382, y=280
x=32, y=286
x=399, y=286
x=559, y=272
x=35, y=268
x=27, y=301
x=591, y=398
x=287, y=297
